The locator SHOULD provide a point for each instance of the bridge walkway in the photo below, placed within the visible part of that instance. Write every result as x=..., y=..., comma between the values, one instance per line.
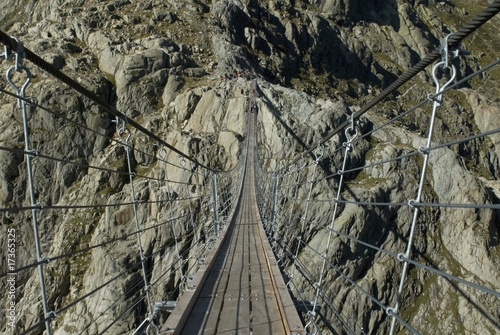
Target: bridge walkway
x=243, y=292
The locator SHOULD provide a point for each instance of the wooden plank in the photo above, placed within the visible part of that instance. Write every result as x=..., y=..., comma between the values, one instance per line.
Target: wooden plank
x=205, y=315
x=235, y=314
x=241, y=292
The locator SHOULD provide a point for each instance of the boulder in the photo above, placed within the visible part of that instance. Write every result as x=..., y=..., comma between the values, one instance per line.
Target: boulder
x=174, y=84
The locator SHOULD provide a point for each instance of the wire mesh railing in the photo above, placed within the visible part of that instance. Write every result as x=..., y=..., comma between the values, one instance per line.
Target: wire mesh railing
x=336, y=233
x=110, y=179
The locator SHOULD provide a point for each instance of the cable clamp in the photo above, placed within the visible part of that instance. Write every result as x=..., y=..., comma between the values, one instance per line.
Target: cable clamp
x=7, y=55
x=144, y=259
x=38, y=206
x=340, y=172
x=44, y=260
x=33, y=152
x=444, y=50
x=51, y=315
x=141, y=230
x=458, y=52
x=412, y=203
x=351, y=128
x=433, y=97
x=149, y=288
x=401, y=257
x=423, y=150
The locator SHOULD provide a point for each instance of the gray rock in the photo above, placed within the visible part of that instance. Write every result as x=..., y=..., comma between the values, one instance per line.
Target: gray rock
x=196, y=72
x=110, y=60
x=134, y=67
x=70, y=47
x=185, y=105
x=174, y=83
x=55, y=60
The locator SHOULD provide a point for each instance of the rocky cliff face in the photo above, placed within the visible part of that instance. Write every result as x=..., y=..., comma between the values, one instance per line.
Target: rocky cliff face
x=161, y=62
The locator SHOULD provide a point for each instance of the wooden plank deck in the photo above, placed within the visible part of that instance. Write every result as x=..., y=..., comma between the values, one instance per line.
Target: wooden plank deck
x=243, y=292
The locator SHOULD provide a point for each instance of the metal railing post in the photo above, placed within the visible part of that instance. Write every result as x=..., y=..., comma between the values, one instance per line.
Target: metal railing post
x=124, y=130
x=215, y=202
x=19, y=67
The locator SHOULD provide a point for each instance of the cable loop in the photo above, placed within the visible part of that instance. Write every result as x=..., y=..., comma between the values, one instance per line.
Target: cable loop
x=33, y=152
x=51, y=315
x=303, y=165
x=352, y=127
x=443, y=64
x=423, y=150
x=45, y=260
x=123, y=129
x=162, y=152
x=318, y=153
x=20, y=92
x=182, y=161
x=151, y=323
x=400, y=257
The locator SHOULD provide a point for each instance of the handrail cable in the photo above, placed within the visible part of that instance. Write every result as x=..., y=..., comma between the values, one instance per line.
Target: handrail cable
x=80, y=125
x=412, y=109
x=472, y=25
x=66, y=161
x=38, y=61
x=398, y=256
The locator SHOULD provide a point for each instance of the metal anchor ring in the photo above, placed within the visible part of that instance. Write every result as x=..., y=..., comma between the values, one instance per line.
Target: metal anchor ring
x=124, y=129
x=162, y=153
x=443, y=66
x=20, y=68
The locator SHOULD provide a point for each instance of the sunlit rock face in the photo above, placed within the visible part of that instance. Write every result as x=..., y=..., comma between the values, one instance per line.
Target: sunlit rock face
x=183, y=70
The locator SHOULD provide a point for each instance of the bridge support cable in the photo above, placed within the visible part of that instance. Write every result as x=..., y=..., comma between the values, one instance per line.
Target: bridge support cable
x=454, y=40
x=14, y=45
x=197, y=240
x=285, y=222
x=22, y=105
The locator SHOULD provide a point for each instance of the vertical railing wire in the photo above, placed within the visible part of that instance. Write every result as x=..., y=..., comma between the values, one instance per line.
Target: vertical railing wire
x=163, y=155
x=123, y=130
x=348, y=147
x=191, y=215
x=215, y=205
x=300, y=168
x=19, y=67
x=437, y=98
x=318, y=153
x=200, y=199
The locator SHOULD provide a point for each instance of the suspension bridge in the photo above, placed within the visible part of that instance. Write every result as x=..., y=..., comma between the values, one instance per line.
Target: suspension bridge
x=237, y=252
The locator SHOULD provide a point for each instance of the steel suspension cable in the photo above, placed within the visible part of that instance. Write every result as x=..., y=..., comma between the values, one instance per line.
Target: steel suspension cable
x=38, y=61
x=454, y=40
